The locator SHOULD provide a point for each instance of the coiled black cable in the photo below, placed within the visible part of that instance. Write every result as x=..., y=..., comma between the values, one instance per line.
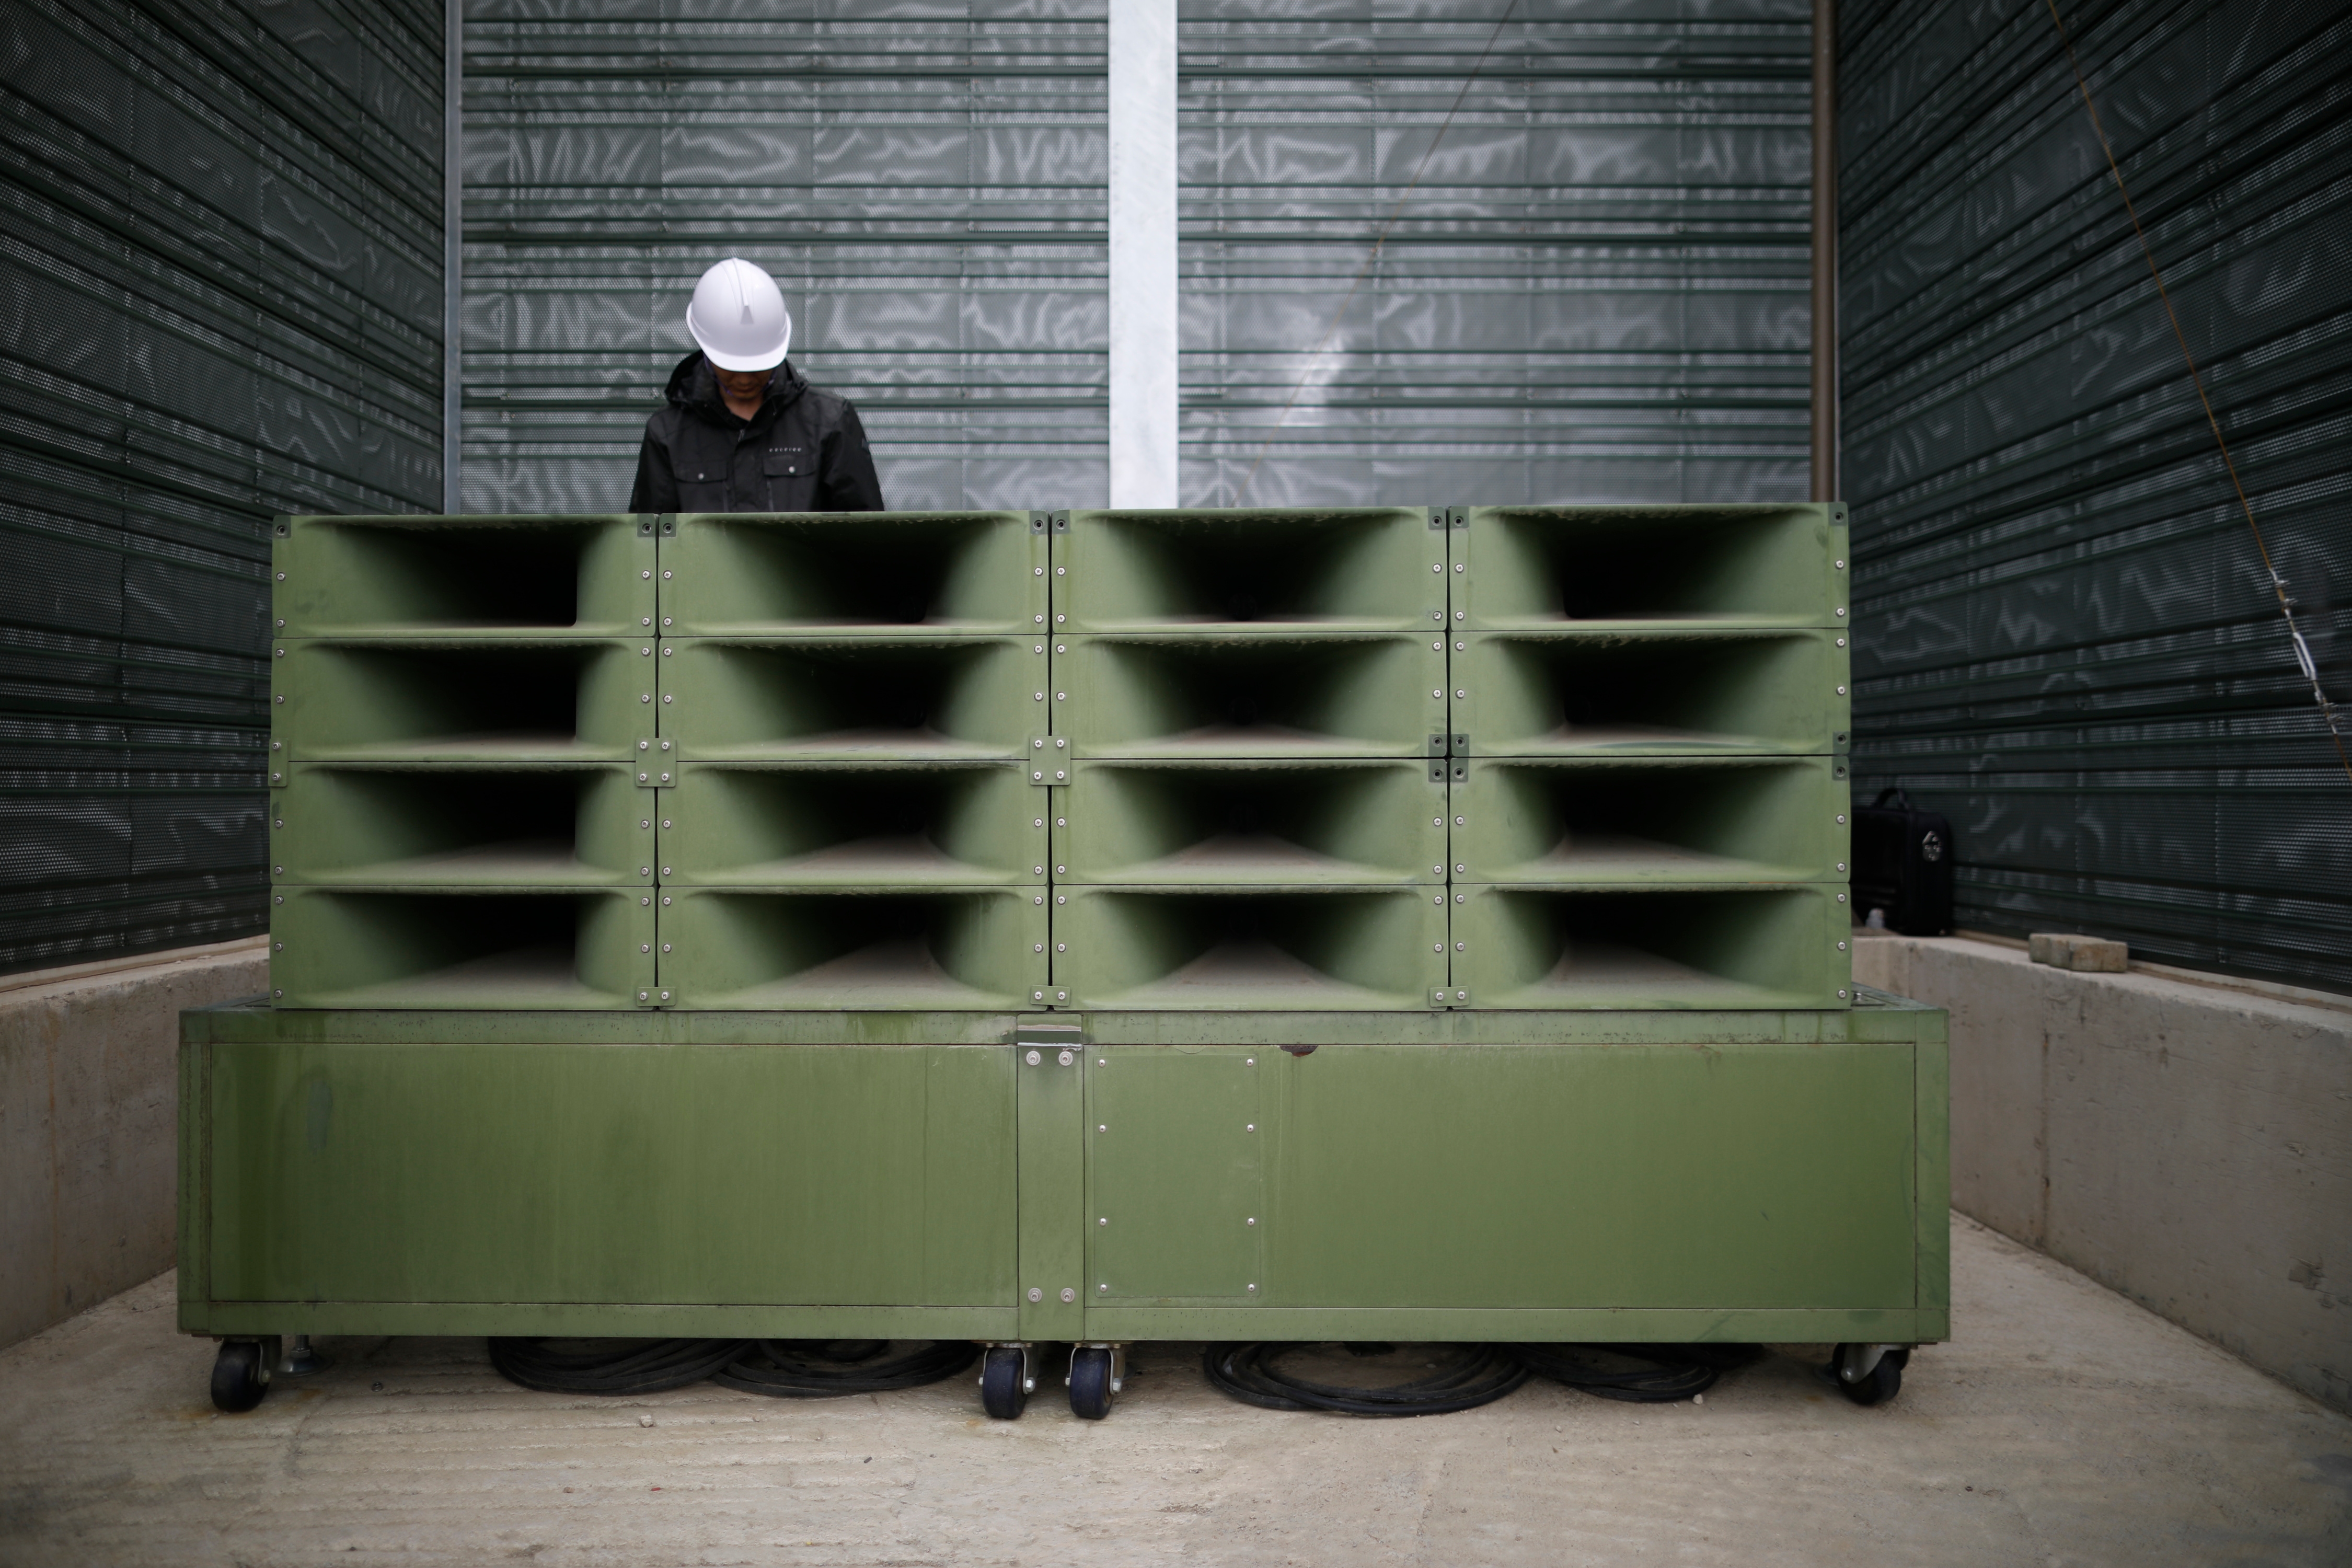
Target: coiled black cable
x=1640, y=1374
x=609, y=1366
x=821, y=1368
x=1468, y=1376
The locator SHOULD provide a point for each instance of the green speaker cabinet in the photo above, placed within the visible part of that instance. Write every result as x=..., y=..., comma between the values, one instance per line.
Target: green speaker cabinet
x=1091, y=1177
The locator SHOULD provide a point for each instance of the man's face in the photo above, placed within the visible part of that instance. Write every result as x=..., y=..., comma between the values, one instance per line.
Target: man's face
x=743, y=385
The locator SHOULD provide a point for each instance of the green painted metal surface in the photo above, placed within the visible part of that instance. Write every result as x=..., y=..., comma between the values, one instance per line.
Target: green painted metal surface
x=849, y=698
x=1649, y=692
x=1650, y=820
x=461, y=947
x=383, y=824
x=1249, y=948
x=1182, y=693
x=1360, y=569
x=476, y=576
x=881, y=948
x=649, y=1174
x=1529, y=567
x=944, y=574
x=1252, y=821
x=1674, y=947
x=1176, y=1187
x=855, y=825
x=895, y=760
x=1458, y=1175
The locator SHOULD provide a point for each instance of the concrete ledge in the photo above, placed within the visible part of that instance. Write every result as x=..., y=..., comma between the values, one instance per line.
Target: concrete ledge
x=89, y=1092
x=2180, y=1142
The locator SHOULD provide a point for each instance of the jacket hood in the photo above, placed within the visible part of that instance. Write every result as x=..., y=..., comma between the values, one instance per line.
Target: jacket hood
x=694, y=386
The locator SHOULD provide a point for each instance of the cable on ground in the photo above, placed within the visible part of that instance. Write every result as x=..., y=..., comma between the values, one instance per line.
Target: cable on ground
x=609, y=1366
x=821, y=1369
x=1640, y=1374
x=1467, y=1376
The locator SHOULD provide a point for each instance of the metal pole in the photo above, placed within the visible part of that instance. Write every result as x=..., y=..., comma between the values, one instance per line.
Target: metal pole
x=1143, y=253
x=1825, y=296
x=453, y=283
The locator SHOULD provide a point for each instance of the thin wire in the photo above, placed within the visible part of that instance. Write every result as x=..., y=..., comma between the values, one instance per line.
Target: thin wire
x=1374, y=255
x=2278, y=584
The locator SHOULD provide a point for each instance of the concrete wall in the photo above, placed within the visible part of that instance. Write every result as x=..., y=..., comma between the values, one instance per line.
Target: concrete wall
x=2184, y=1143
x=89, y=1099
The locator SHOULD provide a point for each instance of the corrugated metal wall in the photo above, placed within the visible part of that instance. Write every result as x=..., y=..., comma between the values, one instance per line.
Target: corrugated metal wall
x=925, y=180
x=2065, y=638
x=1596, y=292
x=221, y=274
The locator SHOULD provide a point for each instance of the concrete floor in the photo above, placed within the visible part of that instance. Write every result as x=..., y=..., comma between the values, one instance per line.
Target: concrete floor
x=2063, y=1425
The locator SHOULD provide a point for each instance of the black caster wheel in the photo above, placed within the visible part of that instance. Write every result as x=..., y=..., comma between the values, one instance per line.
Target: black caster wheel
x=1091, y=1385
x=1879, y=1384
x=1004, y=1382
x=240, y=1376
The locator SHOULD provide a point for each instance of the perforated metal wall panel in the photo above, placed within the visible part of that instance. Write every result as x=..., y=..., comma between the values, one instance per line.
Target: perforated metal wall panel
x=926, y=182
x=2066, y=640
x=1596, y=292
x=221, y=266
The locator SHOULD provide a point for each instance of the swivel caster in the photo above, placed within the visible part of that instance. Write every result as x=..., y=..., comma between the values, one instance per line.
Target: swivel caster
x=241, y=1373
x=1096, y=1373
x=1870, y=1375
x=1006, y=1382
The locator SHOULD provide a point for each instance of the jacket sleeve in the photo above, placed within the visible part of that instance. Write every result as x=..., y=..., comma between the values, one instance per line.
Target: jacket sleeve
x=848, y=482
x=657, y=486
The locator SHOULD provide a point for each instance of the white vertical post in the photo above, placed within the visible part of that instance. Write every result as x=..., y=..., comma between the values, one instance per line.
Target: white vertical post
x=1143, y=253
x=453, y=282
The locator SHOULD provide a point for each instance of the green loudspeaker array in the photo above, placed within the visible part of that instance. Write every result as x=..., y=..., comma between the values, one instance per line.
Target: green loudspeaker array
x=1248, y=758
x=1650, y=724
x=456, y=708
x=850, y=705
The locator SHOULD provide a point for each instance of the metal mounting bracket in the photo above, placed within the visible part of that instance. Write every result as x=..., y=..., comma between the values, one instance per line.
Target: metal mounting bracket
x=1449, y=996
x=656, y=768
x=1049, y=760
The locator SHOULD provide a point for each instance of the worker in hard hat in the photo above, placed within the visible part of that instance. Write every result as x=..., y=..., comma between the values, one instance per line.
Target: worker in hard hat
x=742, y=430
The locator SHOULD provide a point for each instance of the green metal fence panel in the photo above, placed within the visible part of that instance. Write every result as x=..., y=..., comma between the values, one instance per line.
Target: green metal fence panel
x=2068, y=643
x=927, y=186
x=223, y=280
x=1475, y=251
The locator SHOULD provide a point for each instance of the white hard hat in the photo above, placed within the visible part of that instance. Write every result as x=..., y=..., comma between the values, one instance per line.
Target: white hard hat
x=739, y=317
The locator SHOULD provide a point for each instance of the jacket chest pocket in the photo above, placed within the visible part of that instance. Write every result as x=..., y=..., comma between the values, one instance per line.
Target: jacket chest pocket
x=790, y=475
x=701, y=487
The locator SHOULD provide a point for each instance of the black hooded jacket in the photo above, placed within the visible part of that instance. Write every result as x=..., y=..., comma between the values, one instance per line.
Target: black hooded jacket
x=803, y=451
